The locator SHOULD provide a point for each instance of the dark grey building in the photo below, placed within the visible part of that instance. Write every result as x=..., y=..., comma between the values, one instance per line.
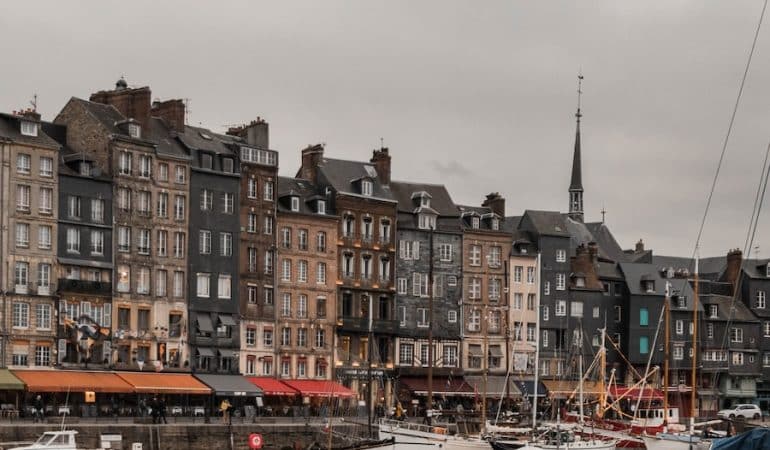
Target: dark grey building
x=428, y=224
x=213, y=250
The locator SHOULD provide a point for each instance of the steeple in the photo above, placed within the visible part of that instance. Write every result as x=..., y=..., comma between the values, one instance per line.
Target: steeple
x=576, y=183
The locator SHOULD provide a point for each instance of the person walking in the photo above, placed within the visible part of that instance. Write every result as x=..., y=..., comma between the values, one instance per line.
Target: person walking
x=162, y=411
x=225, y=408
x=154, y=409
x=37, y=412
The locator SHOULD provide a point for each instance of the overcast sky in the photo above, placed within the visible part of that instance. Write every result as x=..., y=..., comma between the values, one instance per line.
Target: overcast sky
x=479, y=96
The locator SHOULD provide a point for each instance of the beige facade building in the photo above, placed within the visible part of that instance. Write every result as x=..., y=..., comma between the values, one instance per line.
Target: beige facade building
x=522, y=314
x=28, y=199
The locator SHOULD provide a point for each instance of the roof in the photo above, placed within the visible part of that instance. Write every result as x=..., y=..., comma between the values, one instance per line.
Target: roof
x=441, y=386
x=511, y=224
x=305, y=190
x=710, y=268
x=440, y=200
x=105, y=114
x=271, y=386
x=728, y=309
x=607, y=243
x=549, y=223
x=193, y=138
x=230, y=385
x=10, y=128
x=72, y=381
x=163, y=383
x=158, y=132
x=342, y=175
x=634, y=273
x=320, y=388
x=751, y=267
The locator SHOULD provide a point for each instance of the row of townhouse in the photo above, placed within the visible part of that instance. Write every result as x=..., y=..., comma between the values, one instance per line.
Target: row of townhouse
x=131, y=239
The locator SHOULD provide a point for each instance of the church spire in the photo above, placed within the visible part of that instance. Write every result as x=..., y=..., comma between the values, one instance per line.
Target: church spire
x=576, y=183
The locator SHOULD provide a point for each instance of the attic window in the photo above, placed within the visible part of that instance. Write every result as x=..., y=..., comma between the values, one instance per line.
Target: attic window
x=367, y=187
x=648, y=286
x=206, y=161
x=713, y=311
x=205, y=136
x=28, y=128
x=321, y=207
x=295, y=204
x=84, y=168
x=475, y=222
x=134, y=130
x=495, y=224
x=227, y=165
x=580, y=282
x=425, y=201
x=427, y=222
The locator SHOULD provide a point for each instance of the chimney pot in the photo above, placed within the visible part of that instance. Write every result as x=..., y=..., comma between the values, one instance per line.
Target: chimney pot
x=639, y=246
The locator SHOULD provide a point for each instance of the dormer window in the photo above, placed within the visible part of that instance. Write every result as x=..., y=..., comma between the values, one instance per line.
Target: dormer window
x=580, y=281
x=134, y=130
x=321, y=206
x=474, y=222
x=295, y=204
x=648, y=286
x=206, y=161
x=84, y=168
x=227, y=165
x=367, y=187
x=495, y=224
x=28, y=128
x=425, y=201
x=713, y=311
x=427, y=221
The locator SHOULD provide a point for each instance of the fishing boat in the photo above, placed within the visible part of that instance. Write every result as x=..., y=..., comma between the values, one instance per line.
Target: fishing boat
x=416, y=436
x=53, y=440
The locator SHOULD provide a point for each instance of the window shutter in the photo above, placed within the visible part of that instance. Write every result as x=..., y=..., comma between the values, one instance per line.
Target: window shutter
x=416, y=250
x=416, y=279
x=107, y=319
x=402, y=249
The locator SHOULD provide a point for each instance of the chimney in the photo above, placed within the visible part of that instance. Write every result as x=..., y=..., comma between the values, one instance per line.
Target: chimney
x=639, y=247
x=381, y=161
x=171, y=111
x=30, y=114
x=256, y=133
x=733, y=270
x=311, y=159
x=133, y=103
x=496, y=203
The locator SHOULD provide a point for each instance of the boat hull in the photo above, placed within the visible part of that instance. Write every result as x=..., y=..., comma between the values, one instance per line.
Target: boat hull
x=675, y=442
x=409, y=436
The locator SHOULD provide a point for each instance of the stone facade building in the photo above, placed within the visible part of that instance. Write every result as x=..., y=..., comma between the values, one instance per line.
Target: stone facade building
x=306, y=281
x=28, y=239
x=429, y=239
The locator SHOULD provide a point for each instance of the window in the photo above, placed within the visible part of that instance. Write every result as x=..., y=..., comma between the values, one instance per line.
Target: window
x=225, y=286
x=679, y=327
x=204, y=242
x=475, y=223
x=124, y=199
x=163, y=172
x=145, y=166
x=452, y=316
x=45, y=202
x=145, y=202
x=144, y=242
x=162, y=243
x=251, y=188
x=495, y=255
x=73, y=240
x=426, y=221
x=28, y=128
x=228, y=200
x=178, y=245
x=73, y=207
x=367, y=188
x=44, y=237
x=518, y=272
x=124, y=278
x=561, y=256
x=295, y=203
x=251, y=226
x=710, y=330
x=23, y=163
x=409, y=250
x=530, y=275
x=203, y=285
x=547, y=288
x=207, y=200
x=267, y=337
x=401, y=285
x=46, y=167
x=406, y=354
x=445, y=252
x=475, y=255
x=495, y=224
x=366, y=266
x=22, y=198
x=474, y=288
x=531, y=302
x=180, y=174
x=179, y=201
x=286, y=237
x=252, y=259
x=124, y=163
x=226, y=244
x=97, y=242
x=767, y=328
x=302, y=337
x=546, y=313
x=366, y=228
x=321, y=273
x=268, y=225
x=320, y=307
x=678, y=352
x=286, y=270
x=384, y=231
x=22, y=235
x=736, y=334
x=269, y=262
x=251, y=293
x=321, y=207
x=43, y=314
x=42, y=355
x=161, y=278
x=302, y=271
x=179, y=284
x=227, y=165
x=474, y=321
x=124, y=239
x=560, y=282
x=268, y=192
x=302, y=239
x=494, y=290
x=286, y=336
x=134, y=130
x=576, y=309
x=451, y=281
x=644, y=317
x=422, y=318
x=561, y=308
x=761, y=303
x=714, y=310
x=20, y=315
x=321, y=241
x=644, y=345
x=143, y=283
x=302, y=306
x=737, y=358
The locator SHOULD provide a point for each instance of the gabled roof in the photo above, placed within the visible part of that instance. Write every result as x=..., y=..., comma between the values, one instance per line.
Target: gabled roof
x=167, y=145
x=606, y=241
x=440, y=200
x=634, y=273
x=10, y=128
x=342, y=175
x=549, y=223
x=107, y=115
x=727, y=309
x=709, y=268
x=193, y=138
x=305, y=190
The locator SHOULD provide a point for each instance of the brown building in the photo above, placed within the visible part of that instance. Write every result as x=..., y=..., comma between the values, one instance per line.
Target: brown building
x=116, y=130
x=359, y=193
x=486, y=250
x=306, y=281
x=29, y=187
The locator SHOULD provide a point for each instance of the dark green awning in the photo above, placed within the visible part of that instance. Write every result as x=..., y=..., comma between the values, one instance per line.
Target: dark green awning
x=9, y=382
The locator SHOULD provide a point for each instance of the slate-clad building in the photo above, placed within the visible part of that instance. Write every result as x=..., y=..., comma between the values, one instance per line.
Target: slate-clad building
x=428, y=223
x=360, y=194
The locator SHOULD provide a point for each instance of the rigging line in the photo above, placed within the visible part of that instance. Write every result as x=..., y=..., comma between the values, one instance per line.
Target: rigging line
x=730, y=125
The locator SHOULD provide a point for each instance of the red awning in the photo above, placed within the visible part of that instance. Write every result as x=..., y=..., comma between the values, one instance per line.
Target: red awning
x=441, y=386
x=635, y=393
x=320, y=388
x=271, y=386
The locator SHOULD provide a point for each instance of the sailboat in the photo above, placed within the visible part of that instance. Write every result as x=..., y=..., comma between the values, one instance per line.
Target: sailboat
x=417, y=436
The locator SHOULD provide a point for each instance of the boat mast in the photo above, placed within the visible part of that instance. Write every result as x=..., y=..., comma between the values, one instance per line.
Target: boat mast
x=430, y=324
x=370, y=345
x=537, y=346
x=603, y=370
x=580, y=370
x=667, y=312
x=694, y=345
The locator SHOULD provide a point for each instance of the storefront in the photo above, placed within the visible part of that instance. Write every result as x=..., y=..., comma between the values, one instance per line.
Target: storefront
x=11, y=394
x=278, y=397
x=243, y=396
x=320, y=395
x=182, y=393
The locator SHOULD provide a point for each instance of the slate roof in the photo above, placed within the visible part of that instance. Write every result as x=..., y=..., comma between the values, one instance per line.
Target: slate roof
x=192, y=138
x=740, y=312
x=342, y=174
x=635, y=272
x=709, y=268
x=511, y=224
x=167, y=145
x=107, y=115
x=305, y=190
x=752, y=268
x=606, y=241
x=10, y=128
x=549, y=223
x=484, y=213
x=440, y=200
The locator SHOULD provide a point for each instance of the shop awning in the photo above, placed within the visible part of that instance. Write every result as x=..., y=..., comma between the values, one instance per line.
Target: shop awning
x=495, y=351
x=230, y=385
x=72, y=381
x=226, y=319
x=9, y=382
x=271, y=386
x=441, y=386
x=320, y=388
x=527, y=388
x=634, y=393
x=496, y=386
x=164, y=383
x=567, y=389
x=204, y=322
x=205, y=351
x=226, y=353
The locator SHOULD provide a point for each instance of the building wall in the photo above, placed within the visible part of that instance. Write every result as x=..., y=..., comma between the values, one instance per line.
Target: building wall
x=522, y=312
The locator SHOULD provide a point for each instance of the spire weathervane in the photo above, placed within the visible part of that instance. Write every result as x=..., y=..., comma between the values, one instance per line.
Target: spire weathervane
x=580, y=94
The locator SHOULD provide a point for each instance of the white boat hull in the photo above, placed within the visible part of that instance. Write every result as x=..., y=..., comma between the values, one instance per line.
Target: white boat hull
x=579, y=445
x=410, y=436
x=675, y=443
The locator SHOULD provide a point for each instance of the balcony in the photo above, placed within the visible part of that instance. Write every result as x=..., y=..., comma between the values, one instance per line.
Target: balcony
x=44, y=289
x=361, y=325
x=85, y=286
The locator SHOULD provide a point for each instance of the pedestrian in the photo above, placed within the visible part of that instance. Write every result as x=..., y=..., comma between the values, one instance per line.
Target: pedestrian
x=154, y=411
x=162, y=411
x=225, y=408
x=37, y=411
